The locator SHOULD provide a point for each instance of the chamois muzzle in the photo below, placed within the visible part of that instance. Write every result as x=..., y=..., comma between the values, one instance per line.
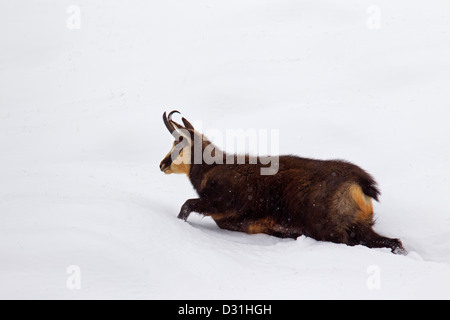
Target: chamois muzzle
x=165, y=164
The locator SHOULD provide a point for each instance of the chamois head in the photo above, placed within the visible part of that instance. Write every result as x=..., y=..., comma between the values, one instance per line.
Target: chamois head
x=178, y=160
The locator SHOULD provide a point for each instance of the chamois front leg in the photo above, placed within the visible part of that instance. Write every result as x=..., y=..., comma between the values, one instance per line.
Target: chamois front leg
x=201, y=206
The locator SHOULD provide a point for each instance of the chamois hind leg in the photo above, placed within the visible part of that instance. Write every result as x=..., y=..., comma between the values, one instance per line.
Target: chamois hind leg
x=357, y=207
x=369, y=238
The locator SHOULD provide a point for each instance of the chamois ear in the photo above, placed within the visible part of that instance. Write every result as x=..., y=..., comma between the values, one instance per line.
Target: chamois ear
x=187, y=124
x=182, y=131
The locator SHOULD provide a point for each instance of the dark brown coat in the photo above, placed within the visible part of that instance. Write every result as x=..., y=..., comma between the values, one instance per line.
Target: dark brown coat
x=324, y=200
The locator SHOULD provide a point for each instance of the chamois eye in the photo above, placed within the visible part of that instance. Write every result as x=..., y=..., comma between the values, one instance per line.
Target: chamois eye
x=179, y=140
x=178, y=143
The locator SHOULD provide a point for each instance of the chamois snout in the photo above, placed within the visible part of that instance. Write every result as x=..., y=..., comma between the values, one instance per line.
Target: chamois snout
x=165, y=164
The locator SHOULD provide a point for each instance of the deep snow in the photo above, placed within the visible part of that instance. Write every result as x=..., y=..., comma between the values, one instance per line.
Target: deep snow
x=81, y=138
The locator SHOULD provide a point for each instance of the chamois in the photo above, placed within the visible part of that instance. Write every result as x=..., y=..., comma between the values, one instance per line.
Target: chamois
x=325, y=200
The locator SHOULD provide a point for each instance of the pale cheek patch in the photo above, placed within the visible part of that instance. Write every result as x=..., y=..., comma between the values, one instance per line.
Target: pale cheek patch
x=182, y=163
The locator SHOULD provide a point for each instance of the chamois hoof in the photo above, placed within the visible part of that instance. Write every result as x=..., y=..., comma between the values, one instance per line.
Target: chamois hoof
x=183, y=215
x=397, y=248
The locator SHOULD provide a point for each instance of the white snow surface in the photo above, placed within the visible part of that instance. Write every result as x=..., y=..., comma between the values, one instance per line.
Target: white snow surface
x=81, y=138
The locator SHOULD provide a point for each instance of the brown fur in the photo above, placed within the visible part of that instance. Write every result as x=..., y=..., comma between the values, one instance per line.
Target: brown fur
x=326, y=200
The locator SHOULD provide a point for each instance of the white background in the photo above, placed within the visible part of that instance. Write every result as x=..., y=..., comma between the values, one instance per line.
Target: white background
x=81, y=138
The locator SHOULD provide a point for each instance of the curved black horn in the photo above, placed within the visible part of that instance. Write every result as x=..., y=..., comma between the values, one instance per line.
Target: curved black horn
x=169, y=125
x=172, y=112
